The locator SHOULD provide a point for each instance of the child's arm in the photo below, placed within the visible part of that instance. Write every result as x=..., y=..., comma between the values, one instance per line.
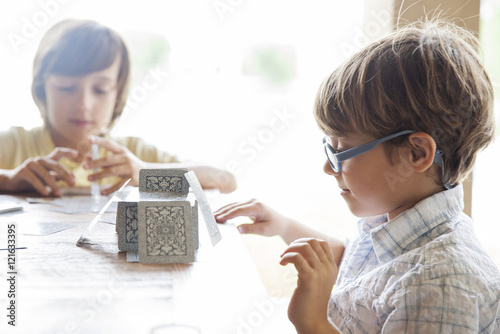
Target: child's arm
x=124, y=163
x=269, y=222
x=210, y=177
x=39, y=174
x=317, y=272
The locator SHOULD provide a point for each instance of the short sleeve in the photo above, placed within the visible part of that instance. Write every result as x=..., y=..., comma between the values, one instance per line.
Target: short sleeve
x=19, y=144
x=7, y=149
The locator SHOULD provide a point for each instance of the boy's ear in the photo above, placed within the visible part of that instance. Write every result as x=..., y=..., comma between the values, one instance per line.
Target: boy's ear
x=422, y=150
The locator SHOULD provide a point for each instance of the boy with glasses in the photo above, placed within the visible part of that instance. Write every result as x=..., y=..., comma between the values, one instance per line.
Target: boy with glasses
x=404, y=119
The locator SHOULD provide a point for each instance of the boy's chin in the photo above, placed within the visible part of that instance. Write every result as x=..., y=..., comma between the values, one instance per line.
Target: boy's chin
x=361, y=212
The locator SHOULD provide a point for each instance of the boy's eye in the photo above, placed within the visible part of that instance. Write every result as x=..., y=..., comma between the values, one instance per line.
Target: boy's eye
x=338, y=150
x=335, y=145
x=100, y=91
x=66, y=89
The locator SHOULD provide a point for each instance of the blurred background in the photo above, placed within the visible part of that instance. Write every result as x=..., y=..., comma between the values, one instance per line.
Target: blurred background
x=232, y=83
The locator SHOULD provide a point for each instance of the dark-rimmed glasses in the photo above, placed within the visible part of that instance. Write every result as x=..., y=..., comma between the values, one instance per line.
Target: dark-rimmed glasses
x=335, y=158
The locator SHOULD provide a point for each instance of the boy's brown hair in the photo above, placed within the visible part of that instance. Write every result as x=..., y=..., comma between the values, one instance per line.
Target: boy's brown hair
x=427, y=78
x=75, y=48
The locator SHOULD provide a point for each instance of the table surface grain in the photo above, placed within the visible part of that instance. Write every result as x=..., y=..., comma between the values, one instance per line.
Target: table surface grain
x=62, y=288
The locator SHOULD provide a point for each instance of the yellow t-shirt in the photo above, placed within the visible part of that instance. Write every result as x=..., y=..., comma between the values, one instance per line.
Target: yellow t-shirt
x=18, y=144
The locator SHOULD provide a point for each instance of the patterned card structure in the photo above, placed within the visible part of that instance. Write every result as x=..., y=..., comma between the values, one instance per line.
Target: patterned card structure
x=166, y=232
x=168, y=182
x=130, y=195
x=127, y=226
x=206, y=211
x=194, y=213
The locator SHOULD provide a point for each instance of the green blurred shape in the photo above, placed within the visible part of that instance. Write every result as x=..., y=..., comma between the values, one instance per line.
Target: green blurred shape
x=147, y=49
x=275, y=63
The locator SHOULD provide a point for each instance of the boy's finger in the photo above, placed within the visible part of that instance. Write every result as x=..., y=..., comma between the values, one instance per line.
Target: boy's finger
x=108, y=145
x=98, y=176
x=41, y=170
x=231, y=206
x=306, y=250
x=321, y=247
x=328, y=252
x=302, y=266
x=61, y=172
x=120, y=170
x=113, y=188
x=253, y=210
x=318, y=250
x=108, y=161
x=30, y=178
x=123, y=170
x=61, y=152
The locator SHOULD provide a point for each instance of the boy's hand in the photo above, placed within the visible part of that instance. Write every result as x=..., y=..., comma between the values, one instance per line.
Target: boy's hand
x=266, y=221
x=317, y=273
x=42, y=173
x=121, y=163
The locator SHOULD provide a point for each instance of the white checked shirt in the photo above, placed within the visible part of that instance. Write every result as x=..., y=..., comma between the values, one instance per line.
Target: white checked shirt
x=422, y=272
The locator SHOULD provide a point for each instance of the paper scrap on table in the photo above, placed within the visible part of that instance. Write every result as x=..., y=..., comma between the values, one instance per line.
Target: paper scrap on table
x=73, y=204
x=10, y=203
x=41, y=228
x=80, y=204
x=206, y=211
x=10, y=206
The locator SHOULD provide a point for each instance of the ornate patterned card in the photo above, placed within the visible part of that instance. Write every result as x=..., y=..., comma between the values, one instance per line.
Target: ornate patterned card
x=127, y=226
x=166, y=232
x=168, y=182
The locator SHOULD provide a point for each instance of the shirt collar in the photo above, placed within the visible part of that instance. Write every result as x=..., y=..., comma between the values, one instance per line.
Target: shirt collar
x=391, y=239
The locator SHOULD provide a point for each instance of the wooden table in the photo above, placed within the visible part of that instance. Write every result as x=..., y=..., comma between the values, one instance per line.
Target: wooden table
x=62, y=288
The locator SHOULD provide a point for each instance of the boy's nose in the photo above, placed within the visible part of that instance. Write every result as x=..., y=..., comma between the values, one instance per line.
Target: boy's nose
x=84, y=100
x=328, y=169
